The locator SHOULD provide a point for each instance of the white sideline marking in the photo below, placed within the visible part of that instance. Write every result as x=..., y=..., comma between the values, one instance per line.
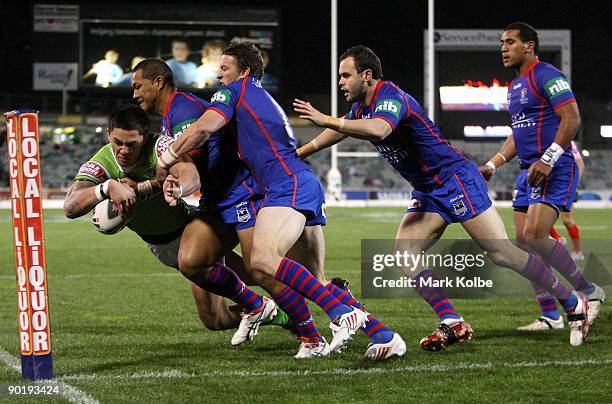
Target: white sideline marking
x=77, y=276
x=177, y=374
x=67, y=391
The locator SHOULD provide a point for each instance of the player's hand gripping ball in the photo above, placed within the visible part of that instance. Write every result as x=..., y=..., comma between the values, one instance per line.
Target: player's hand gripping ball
x=107, y=220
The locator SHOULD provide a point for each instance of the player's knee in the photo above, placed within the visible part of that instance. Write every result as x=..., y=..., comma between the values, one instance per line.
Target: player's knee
x=533, y=233
x=191, y=262
x=263, y=261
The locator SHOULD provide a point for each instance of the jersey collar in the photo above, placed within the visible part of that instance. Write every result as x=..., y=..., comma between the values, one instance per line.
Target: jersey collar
x=531, y=66
x=376, y=89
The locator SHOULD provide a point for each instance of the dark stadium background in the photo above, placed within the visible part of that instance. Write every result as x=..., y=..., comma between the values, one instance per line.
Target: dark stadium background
x=392, y=28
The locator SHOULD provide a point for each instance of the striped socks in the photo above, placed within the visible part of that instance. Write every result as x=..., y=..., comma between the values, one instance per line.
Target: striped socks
x=295, y=306
x=294, y=275
x=538, y=272
x=548, y=304
x=224, y=282
x=434, y=295
x=374, y=329
x=562, y=261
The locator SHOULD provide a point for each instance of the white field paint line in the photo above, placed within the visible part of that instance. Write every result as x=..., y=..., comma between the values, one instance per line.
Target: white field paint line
x=78, y=276
x=177, y=374
x=67, y=391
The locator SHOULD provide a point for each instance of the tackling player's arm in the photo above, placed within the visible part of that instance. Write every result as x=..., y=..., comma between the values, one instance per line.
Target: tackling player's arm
x=325, y=139
x=505, y=153
x=83, y=195
x=193, y=137
x=569, y=117
x=183, y=180
x=365, y=129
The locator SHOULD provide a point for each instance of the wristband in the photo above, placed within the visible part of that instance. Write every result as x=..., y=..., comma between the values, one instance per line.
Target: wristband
x=144, y=187
x=552, y=154
x=306, y=150
x=334, y=123
x=101, y=190
x=168, y=158
x=491, y=165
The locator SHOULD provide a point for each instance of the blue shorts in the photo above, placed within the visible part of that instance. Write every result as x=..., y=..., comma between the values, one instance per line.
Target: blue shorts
x=463, y=196
x=238, y=208
x=520, y=201
x=301, y=191
x=558, y=190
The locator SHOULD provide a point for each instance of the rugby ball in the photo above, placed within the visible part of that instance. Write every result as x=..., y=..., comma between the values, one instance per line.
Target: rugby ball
x=106, y=220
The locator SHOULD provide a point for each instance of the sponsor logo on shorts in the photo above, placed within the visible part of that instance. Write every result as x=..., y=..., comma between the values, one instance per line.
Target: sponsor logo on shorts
x=514, y=194
x=222, y=96
x=242, y=212
x=391, y=106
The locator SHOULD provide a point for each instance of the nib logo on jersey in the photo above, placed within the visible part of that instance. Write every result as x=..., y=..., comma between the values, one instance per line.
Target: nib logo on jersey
x=557, y=86
x=222, y=96
x=391, y=106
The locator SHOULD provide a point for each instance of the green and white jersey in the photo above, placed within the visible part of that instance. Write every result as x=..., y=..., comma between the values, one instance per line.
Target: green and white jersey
x=152, y=216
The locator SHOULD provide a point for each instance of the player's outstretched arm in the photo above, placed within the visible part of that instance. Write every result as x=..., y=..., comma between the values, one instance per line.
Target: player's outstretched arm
x=365, y=129
x=569, y=117
x=82, y=196
x=323, y=140
x=192, y=138
x=506, y=153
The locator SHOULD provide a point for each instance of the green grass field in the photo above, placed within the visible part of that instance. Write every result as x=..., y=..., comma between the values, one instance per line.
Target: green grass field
x=125, y=329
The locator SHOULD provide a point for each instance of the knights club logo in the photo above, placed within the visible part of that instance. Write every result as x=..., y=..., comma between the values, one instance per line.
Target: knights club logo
x=524, y=99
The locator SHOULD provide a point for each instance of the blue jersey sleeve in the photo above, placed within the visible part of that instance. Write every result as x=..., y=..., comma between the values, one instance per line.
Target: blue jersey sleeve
x=390, y=106
x=554, y=86
x=226, y=99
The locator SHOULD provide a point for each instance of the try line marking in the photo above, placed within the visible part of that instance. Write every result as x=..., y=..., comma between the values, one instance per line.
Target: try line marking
x=177, y=374
x=67, y=391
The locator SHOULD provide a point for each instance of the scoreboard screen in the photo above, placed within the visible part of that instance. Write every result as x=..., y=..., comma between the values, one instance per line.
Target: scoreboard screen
x=472, y=89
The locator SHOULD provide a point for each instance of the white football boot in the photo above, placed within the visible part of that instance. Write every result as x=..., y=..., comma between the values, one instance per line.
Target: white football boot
x=312, y=347
x=543, y=324
x=596, y=298
x=380, y=352
x=344, y=327
x=579, y=321
x=249, y=325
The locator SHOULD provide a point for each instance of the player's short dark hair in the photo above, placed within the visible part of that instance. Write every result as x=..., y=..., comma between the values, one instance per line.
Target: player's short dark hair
x=129, y=117
x=153, y=68
x=247, y=55
x=527, y=34
x=365, y=58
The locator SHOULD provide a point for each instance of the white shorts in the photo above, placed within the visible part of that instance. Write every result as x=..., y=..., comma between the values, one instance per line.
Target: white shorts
x=167, y=253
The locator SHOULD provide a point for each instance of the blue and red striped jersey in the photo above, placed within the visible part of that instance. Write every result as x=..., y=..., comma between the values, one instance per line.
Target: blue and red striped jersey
x=265, y=139
x=532, y=99
x=415, y=147
x=217, y=159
